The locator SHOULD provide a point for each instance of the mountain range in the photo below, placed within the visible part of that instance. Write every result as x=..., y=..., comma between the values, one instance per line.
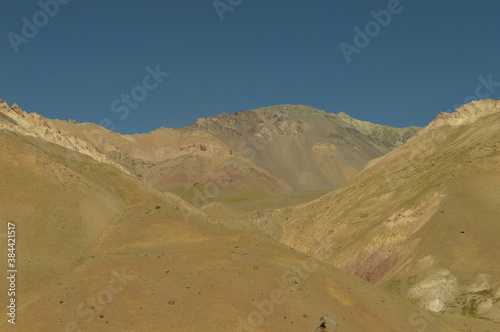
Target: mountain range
x=262, y=220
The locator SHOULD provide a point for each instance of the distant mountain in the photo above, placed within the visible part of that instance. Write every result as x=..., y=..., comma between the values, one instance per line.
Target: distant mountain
x=306, y=148
x=249, y=154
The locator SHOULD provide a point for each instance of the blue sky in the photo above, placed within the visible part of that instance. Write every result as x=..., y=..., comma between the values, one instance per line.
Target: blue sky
x=84, y=59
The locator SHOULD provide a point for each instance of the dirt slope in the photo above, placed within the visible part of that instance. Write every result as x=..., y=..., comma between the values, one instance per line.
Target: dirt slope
x=421, y=221
x=98, y=250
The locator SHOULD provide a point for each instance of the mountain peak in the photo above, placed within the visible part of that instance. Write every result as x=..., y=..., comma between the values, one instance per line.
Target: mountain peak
x=467, y=113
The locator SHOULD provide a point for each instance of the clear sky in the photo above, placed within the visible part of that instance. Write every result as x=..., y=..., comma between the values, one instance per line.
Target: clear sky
x=81, y=59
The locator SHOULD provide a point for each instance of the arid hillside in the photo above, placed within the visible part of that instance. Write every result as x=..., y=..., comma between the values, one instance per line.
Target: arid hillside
x=99, y=250
x=422, y=221
x=307, y=148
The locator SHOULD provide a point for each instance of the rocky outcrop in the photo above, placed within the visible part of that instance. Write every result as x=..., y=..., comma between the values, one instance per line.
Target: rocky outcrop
x=33, y=124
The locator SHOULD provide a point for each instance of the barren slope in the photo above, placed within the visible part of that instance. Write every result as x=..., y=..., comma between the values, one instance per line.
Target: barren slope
x=421, y=221
x=98, y=250
x=307, y=148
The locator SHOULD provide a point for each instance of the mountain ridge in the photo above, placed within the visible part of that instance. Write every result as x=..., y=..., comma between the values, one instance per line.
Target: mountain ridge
x=425, y=213
x=243, y=154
